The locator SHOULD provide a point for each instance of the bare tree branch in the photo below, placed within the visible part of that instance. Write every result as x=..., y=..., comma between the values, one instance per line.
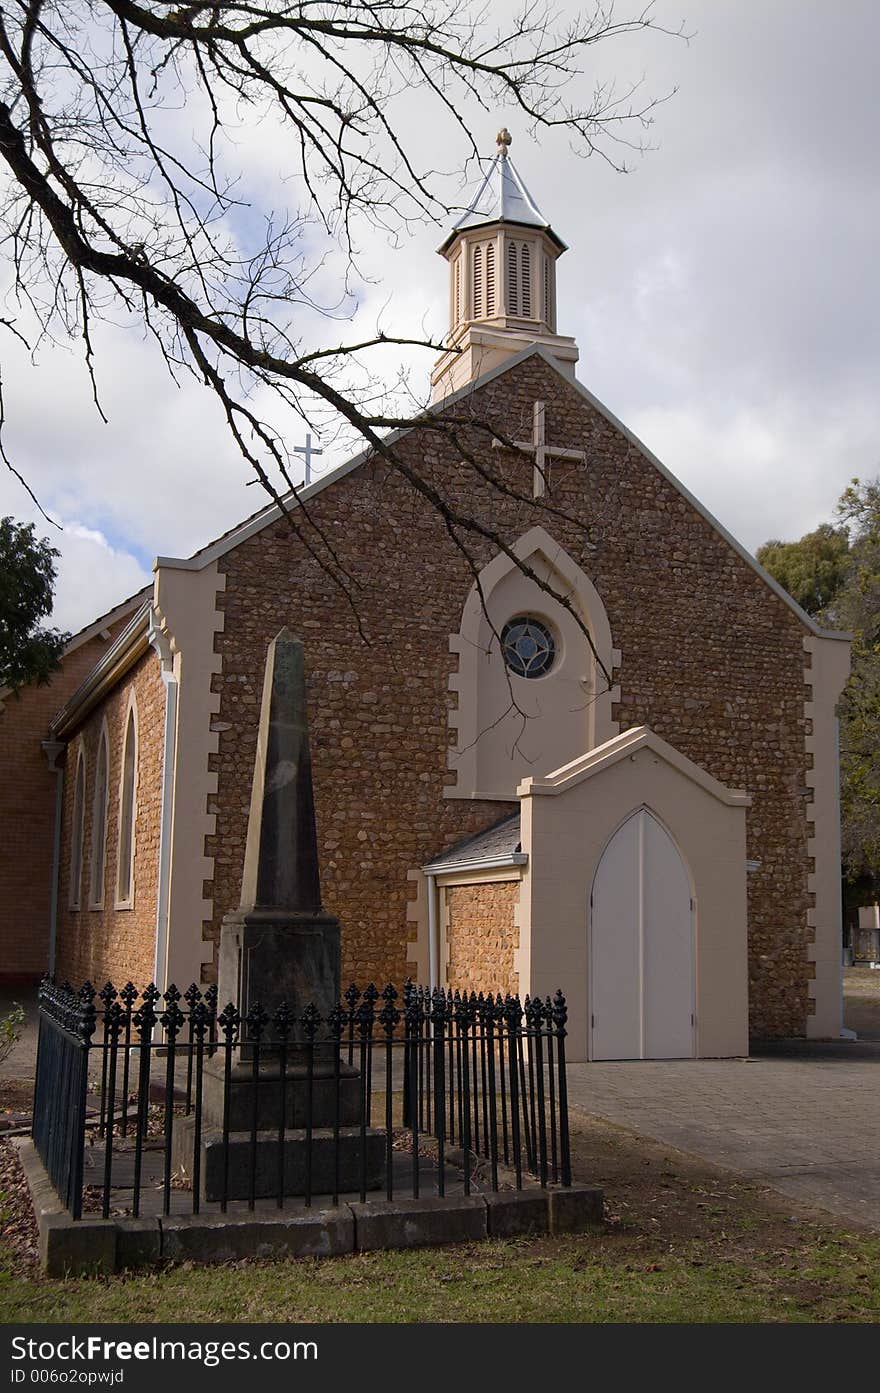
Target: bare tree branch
x=112, y=202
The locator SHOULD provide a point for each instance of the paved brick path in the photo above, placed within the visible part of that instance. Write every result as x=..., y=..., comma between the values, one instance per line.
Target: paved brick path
x=804, y=1120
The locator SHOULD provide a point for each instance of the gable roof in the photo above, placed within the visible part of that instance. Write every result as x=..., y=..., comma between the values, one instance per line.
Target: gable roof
x=123, y=653
x=624, y=746
x=266, y=516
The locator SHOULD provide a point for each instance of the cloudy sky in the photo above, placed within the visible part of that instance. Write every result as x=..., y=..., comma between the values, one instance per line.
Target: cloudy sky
x=724, y=296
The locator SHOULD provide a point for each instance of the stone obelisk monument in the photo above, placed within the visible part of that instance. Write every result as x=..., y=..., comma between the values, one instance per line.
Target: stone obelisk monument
x=281, y=946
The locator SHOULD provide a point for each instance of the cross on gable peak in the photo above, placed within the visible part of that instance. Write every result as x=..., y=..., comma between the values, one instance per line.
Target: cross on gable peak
x=309, y=450
x=542, y=451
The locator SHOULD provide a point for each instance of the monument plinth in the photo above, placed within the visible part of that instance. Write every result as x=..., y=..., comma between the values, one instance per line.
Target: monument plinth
x=281, y=945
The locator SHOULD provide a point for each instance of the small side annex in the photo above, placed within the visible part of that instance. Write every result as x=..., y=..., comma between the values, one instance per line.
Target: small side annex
x=625, y=869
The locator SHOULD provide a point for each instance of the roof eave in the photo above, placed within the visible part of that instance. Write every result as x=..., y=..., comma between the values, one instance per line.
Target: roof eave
x=131, y=645
x=497, y=861
x=502, y=222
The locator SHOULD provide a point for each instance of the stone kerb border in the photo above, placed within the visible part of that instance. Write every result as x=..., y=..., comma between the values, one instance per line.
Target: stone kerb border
x=92, y=1246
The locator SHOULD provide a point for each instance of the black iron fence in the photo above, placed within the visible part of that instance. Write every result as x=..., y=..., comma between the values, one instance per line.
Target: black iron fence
x=149, y=1103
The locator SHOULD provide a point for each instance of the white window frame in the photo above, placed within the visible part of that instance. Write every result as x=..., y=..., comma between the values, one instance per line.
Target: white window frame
x=131, y=715
x=97, y=901
x=78, y=832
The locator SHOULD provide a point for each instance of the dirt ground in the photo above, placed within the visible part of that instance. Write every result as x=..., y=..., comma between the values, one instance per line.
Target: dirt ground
x=724, y=1248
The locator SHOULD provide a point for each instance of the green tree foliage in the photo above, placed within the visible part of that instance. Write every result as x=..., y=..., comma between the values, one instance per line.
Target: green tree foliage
x=857, y=607
x=28, y=651
x=811, y=570
x=834, y=573
x=11, y=1026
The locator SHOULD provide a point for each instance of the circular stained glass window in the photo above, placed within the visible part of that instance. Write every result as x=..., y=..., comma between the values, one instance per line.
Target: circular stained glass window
x=528, y=646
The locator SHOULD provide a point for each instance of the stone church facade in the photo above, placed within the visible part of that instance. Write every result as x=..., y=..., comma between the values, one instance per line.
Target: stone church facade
x=480, y=823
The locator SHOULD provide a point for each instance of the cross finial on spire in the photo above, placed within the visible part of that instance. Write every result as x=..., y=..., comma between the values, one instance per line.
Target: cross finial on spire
x=503, y=140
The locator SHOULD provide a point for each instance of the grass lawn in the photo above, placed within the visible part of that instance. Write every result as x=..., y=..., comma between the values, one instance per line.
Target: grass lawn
x=682, y=1242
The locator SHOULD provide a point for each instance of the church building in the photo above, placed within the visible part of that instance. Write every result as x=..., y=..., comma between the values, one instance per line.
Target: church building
x=592, y=747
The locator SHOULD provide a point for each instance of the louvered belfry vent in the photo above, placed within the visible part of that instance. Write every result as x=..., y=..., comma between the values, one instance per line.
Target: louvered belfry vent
x=502, y=255
x=512, y=280
x=526, y=281
x=490, y=280
x=478, y=283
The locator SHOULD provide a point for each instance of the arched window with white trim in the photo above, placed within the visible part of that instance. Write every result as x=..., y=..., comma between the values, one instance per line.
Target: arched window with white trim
x=516, y=640
x=100, y=801
x=77, y=831
x=127, y=802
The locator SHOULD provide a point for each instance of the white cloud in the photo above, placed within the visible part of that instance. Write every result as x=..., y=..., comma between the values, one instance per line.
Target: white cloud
x=93, y=576
x=724, y=297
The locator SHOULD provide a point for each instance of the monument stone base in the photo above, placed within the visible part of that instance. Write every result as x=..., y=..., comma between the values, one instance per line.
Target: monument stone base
x=266, y=1091
x=327, y=1172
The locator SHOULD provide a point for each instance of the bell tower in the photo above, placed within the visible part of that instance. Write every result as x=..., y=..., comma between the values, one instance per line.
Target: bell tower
x=502, y=257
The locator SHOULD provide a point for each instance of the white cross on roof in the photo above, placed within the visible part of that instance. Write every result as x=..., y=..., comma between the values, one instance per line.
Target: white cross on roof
x=542, y=452
x=308, y=450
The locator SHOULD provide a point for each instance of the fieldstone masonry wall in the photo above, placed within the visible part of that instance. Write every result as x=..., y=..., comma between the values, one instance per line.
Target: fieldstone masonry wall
x=482, y=936
x=711, y=659
x=115, y=943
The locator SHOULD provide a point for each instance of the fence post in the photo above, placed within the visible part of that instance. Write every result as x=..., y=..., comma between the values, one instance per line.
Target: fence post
x=85, y=1031
x=335, y=1023
x=113, y=1020
x=144, y=1020
x=365, y=1016
x=407, y=1046
x=108, y=995
x=171, y=1020
x=229, y=1022
x=389, y=1016
x=438, y=1021
x=513, y=1016
x=560, y=1016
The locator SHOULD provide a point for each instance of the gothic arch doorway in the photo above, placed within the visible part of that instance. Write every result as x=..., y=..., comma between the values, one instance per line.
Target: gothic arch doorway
x=642, y=949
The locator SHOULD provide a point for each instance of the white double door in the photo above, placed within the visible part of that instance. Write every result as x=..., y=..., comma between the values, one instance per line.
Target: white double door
x=641, y=947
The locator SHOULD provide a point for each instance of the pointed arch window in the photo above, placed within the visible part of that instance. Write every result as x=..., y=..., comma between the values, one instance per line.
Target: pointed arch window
x=127, y=793
x=100, y=801
x=78, y=829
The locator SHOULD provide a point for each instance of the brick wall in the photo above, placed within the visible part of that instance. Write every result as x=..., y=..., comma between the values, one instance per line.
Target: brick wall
x=115, y=943
x=27, y=812
x=482, y=936
x=711, y=659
